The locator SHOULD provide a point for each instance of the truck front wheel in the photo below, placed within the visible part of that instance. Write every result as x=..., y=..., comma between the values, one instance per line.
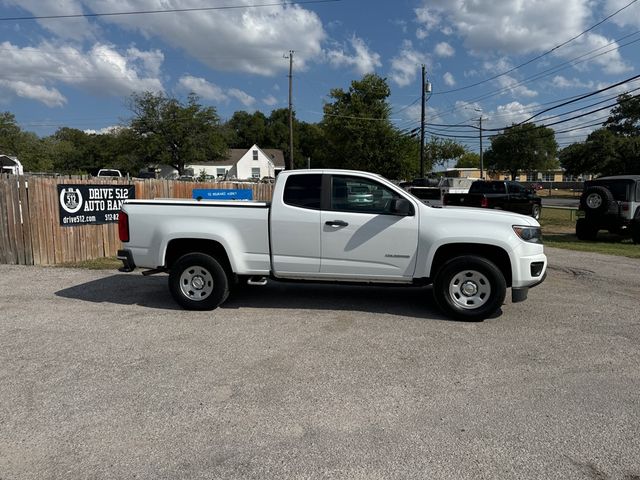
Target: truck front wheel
x=469, y=288
x=198, y=282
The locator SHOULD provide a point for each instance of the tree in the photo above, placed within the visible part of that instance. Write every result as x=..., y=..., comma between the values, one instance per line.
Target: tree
x=603, y=153
x=10, y=134
x=439, y=151
x=358, y=133
x=175, y=132
x=524, y=147
x=468, y=160
x=625, y=117
x=246, y=129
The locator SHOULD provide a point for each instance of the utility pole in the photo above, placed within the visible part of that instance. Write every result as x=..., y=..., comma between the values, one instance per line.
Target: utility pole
x=290, y=165
x=481, y=162
x=422, y=87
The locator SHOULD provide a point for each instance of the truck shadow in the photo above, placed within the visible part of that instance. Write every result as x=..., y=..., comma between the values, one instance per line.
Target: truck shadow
x=124, y=289
x=153, y=292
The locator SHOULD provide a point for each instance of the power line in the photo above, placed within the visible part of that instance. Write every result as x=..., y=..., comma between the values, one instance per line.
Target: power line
x=550, y=71
x=582, y=97
x=171, y=10
x=542, y=54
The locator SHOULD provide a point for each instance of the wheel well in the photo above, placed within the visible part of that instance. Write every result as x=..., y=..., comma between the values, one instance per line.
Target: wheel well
x=179, y=247
x=492, y=253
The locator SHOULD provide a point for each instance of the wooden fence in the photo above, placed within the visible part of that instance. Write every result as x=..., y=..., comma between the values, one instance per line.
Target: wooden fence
x=30, y=230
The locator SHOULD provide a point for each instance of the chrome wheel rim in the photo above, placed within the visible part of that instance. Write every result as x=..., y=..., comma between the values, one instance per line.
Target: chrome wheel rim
x=469, y=289
x=594, y=200
x=196, y=283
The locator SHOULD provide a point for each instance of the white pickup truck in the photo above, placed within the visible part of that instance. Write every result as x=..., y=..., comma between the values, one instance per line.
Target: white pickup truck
x=335, y=226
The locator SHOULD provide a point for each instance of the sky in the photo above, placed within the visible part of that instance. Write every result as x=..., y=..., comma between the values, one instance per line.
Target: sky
x=504, y=61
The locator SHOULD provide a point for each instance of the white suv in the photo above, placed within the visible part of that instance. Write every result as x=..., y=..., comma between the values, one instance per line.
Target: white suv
x=109, y=172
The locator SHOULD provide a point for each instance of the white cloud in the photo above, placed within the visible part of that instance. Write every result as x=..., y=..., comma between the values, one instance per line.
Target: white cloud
x=522, y=27
x=513, y=112
x=51, y=97
x=363, y=60
x=511, y=27
x=406, y=65
x=561, y=82
x=69, y=28
x=243, y=97
x=32, y=72
x=113, y=129
x=248, y=40
x=611, y=62
x=512, y=85
x=202, y=88
x=443, y=49
x=270, y=100
x=629, y=17
x=449, y=81
x=507, y=83
x=210, y=91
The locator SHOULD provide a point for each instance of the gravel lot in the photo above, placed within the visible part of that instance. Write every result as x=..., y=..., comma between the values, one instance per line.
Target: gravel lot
x=101, y=376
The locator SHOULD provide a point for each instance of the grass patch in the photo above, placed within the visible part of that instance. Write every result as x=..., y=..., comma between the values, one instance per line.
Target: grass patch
x=105, y=263
x=555, y=193
x=558, y=230
x=558, y=219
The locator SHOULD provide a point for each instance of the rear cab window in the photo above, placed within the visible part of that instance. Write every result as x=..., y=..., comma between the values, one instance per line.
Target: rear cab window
x=303, y=191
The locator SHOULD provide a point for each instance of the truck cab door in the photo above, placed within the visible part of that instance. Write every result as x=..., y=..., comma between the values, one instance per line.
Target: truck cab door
x=294, y=227
x=362, y=237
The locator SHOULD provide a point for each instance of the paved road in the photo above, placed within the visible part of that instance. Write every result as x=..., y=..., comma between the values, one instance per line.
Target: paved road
x=102, y=377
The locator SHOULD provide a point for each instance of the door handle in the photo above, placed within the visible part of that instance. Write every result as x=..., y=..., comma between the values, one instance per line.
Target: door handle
x=336, y=223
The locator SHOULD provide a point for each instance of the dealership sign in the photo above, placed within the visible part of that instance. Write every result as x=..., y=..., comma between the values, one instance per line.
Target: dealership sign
x=221, y=194
x=92, y=204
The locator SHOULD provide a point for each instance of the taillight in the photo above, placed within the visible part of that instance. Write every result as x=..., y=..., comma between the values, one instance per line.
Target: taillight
x=625, y=207
x=484, y=203
x=123, y=226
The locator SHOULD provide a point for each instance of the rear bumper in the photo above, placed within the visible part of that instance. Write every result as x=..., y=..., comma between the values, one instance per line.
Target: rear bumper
x=126, y=257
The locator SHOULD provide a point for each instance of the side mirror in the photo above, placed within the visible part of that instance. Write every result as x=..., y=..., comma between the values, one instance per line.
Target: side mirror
x=402, y=207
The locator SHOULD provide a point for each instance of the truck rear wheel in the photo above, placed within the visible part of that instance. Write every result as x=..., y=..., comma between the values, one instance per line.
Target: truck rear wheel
x=469, y=288
x=535, y=211
x=197, y=281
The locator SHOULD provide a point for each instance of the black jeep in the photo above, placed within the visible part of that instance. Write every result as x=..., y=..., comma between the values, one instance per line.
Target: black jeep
x=610, y=203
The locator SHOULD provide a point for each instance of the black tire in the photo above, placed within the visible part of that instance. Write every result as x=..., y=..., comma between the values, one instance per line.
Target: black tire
x=635, y=231
x=198, y=282
x=484, y=283
x=585, y=230
x=535, y=211
x=596, y=200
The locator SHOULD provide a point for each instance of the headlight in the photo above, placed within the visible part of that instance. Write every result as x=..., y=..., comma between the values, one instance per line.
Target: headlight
x=528, y=234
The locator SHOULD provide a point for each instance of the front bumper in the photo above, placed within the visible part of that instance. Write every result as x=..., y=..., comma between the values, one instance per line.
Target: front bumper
x=519, y=294
x=126, y=257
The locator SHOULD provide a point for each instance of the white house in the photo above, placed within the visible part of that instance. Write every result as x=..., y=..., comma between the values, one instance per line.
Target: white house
x=254, y=163
x=10, y=165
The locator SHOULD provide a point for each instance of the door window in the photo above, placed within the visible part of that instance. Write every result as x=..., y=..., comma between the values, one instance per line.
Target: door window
x=355, y=194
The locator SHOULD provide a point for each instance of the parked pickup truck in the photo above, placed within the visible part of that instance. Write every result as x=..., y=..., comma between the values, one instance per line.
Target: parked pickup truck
x=502, y=195
x=316, y=229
